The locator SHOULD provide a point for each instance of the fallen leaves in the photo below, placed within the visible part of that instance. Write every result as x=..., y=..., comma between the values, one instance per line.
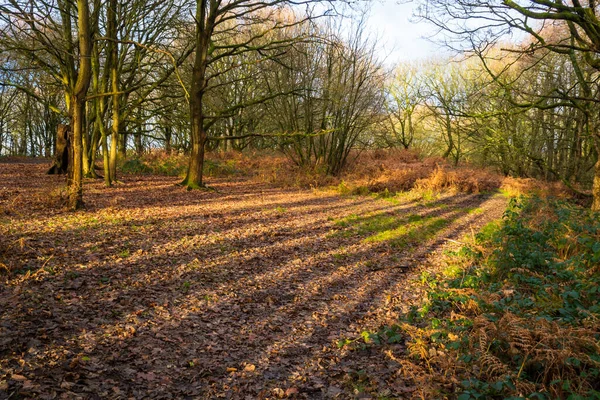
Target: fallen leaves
x=154, y=291
x=148, y=376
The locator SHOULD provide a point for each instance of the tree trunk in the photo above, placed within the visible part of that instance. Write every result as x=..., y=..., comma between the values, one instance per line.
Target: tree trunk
x=122, y=141
x=75, y=177
x=137, y=137
x=596, y=186
x=2, y=134
x=104, y=142
x=105, y=158
x=448, y=127
x=168, y=136
x=193, y=179
x=85, y=146
x=93, y=142
x=139, y=147
x=411, y=132
x=114, y=140
x=113, y=60
x=82, y=84
x=61, y=154
x=99, y=108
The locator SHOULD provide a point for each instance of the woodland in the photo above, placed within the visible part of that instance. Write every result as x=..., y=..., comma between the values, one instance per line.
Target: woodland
x=243, y=199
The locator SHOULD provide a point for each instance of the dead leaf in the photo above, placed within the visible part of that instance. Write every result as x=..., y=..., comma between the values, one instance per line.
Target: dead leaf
x=166, y=276
x=66, y=385
x=150, y=376
x=333, y=391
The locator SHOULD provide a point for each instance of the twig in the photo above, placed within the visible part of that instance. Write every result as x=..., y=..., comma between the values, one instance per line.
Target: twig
x=456, y=241
x=384, y=268
x=5, y=267
x=42, y=267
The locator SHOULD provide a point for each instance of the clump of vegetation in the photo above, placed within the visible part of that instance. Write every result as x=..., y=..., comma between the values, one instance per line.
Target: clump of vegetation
x=384, y=172
x=515, y=313
x=161, y=163
x=514, y=187
x=136, y=166
x=460, y=180
x=389, y=171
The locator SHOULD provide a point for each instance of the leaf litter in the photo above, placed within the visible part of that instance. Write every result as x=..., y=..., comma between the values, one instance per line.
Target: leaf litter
x=239, y=293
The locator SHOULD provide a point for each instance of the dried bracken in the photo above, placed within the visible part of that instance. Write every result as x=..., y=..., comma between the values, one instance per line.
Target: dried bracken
x=537, y=342
x=517, y=309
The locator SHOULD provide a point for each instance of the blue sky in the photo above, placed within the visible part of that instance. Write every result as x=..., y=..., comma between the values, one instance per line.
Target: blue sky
x=400, y=36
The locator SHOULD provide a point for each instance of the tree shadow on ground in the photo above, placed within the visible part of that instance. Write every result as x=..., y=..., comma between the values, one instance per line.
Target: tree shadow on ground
x=238, y=304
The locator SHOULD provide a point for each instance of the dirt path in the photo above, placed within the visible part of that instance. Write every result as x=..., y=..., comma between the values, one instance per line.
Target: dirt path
x=155, y=292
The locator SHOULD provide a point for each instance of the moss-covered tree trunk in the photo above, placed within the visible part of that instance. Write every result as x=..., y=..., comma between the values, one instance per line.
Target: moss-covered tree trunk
x=113, y=59
x=596, y=185
x=137, y=136
x=123, y=138
x=193, y=178
x=91, y=140
x=114, y=140
x=84, y=35
x=450, y=139
x=75, y=176
x=204, y=29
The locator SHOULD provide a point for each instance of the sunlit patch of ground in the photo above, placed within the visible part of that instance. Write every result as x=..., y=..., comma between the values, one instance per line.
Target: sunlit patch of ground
x=243, y=292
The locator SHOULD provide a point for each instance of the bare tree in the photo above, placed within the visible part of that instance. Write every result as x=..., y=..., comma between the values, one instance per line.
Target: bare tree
x=224, y=30
x=335, y=88
x=404, y=94
x=570, y=28
x=58, y=37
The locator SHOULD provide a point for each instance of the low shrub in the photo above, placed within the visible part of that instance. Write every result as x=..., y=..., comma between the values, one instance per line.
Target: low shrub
x=460, y=180
x=514, y=187
x=371, y=171
x=515, y=313
x=136, y=166
x=161, y=163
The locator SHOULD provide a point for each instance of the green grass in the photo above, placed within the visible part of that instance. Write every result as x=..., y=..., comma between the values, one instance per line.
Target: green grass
x=366, y=224
x=512, y=314
x=397, y=231
x=471, y=210
x=412, y=232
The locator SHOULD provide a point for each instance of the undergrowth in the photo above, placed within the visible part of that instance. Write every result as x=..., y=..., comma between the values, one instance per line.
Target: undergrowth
x=159, y=163
x=514, y=314
x=382, y=173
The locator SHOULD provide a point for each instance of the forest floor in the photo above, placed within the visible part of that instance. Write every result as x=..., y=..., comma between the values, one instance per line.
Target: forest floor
x=241, y=292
